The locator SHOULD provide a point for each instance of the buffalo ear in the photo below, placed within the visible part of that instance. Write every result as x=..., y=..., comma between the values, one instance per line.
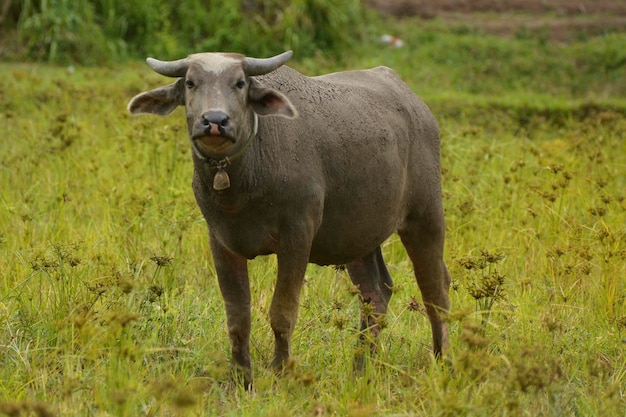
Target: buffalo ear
x=161, y=101
x=267, y=101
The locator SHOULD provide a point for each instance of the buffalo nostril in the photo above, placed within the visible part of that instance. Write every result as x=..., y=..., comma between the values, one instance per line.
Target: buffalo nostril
x=215, y=117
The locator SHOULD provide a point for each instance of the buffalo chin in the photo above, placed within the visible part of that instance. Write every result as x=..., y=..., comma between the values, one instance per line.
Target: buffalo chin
x=213, y=145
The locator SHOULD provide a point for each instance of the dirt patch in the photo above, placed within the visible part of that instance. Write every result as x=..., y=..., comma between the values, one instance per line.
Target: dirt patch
x=431, y=8
x=554, y=19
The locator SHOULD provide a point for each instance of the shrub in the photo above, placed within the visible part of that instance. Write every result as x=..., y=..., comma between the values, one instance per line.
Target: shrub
x=60, y=30
x=96, y=31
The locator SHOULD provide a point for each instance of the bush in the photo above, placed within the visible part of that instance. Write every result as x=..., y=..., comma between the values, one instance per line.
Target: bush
x=98, y=31
x=60, y=30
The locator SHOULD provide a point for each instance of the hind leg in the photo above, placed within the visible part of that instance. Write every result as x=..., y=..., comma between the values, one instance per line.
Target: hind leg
x=425, y=248
x=372, y=278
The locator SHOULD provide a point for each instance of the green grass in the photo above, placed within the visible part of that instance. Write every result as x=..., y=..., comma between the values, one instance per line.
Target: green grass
x=108, y=298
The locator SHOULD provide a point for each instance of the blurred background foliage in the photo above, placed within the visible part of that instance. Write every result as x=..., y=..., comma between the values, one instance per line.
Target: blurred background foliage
x=101, y=31
x=454, y=60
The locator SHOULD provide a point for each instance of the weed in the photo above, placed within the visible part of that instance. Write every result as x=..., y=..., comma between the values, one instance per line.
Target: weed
x=485, y=283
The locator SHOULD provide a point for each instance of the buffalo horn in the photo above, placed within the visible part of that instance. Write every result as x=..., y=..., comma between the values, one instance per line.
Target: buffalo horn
x=258, y=66
x=176, y=68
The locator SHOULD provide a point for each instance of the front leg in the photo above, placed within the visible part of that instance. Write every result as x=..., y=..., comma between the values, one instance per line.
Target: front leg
x=293, y=258
x=232, y=275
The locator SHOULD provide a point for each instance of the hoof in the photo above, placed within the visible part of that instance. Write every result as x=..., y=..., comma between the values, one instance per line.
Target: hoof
x=283, y=366
x=242, y=376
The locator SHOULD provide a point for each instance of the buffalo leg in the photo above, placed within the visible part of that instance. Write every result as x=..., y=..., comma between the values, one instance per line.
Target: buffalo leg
x=426, y=252
x=372, y=278
x=232, y=274
x=292, y=265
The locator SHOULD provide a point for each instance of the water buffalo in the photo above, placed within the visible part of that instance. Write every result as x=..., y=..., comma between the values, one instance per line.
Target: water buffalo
x=313, y=169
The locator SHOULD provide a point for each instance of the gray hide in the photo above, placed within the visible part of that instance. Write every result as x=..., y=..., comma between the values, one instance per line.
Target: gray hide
x=338, y=164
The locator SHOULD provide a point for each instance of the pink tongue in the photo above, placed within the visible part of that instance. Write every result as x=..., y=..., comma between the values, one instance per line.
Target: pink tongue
x=215, y=130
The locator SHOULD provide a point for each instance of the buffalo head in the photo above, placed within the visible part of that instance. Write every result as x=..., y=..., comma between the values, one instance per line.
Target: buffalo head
x=221, y=98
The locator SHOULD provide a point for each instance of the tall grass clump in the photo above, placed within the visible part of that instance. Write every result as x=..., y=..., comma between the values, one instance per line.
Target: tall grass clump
x=95, y=31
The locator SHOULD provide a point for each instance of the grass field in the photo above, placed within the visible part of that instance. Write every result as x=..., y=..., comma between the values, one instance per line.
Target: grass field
x=108, y=298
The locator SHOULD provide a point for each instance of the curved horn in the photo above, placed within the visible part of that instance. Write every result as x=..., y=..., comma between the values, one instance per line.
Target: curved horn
x=257, y=66
x=176, y=68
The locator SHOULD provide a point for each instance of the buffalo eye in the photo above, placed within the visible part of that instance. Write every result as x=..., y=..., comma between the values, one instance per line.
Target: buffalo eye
x=190, y=84
x=240, y=84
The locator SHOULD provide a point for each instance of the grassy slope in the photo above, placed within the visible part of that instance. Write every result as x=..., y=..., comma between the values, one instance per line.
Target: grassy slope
x=108, y=302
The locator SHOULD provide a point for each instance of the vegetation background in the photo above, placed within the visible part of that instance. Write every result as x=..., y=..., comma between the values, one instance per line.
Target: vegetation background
x=108, y=302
